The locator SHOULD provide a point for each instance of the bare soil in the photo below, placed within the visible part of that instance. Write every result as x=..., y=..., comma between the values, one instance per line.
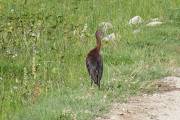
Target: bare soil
x=164, y=105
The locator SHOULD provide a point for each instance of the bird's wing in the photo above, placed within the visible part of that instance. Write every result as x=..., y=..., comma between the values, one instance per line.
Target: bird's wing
x=100, y=67
x=92, y=67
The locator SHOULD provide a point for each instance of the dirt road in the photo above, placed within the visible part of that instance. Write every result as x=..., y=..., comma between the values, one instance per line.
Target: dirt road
x=164, y=105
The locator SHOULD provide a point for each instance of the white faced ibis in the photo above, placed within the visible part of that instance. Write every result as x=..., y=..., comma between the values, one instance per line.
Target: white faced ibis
x=94, y=61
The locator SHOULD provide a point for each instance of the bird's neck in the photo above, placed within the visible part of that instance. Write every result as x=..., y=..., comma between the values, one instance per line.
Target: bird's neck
x=98, y=43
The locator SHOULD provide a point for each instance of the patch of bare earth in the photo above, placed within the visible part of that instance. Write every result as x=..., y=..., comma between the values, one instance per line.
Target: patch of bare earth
x=164, y=105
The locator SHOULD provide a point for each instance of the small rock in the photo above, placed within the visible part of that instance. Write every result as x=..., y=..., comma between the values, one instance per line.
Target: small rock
x=109, y=37
x=105, y=26
x=155, y=23
x=135, y=20
x=136, y=31
x=154, y=19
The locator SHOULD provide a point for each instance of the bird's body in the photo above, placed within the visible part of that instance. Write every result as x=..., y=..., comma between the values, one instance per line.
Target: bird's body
x=94, y=62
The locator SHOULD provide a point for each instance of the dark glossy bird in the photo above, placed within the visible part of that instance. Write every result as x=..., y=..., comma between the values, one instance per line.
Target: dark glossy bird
x=94, y=61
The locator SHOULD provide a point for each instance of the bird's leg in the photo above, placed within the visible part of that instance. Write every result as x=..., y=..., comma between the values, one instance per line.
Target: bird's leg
x=99, y=84
x=91, y=83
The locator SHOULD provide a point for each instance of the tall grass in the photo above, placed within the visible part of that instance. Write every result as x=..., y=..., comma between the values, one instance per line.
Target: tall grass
x=43, y=50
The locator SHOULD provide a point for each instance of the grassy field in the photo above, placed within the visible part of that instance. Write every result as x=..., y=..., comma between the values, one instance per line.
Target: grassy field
x=42, y=55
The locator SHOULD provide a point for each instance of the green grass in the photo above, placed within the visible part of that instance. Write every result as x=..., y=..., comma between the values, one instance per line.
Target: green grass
x=42, y=55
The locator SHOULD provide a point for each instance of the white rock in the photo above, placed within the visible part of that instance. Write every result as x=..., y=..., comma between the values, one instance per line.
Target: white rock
x=136, y=31
x=135, y=20
x=155, y=23
x=110, y=37
x=105, y=26
x=154, y=19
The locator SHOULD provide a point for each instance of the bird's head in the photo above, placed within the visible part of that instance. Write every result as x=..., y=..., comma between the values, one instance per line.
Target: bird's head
x=99, y=34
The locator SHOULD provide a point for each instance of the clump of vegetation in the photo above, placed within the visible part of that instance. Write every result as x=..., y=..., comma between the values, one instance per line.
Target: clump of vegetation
x=43, y=45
